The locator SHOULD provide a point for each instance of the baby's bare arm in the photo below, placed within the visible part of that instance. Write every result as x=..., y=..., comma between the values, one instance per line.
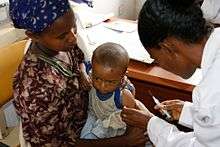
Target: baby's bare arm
x=128, y=99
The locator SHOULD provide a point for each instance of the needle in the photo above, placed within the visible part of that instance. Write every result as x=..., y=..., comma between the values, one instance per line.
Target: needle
x=158, y=103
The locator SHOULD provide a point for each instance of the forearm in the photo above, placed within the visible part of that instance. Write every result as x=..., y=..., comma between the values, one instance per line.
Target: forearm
x=107, y=142
x=161, y=133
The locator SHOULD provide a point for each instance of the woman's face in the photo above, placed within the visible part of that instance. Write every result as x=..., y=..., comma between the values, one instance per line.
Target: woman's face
x=172, y=60
x=61, y=35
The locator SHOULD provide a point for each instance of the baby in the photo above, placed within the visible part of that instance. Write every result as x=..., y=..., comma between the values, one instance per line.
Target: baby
x=110, y=92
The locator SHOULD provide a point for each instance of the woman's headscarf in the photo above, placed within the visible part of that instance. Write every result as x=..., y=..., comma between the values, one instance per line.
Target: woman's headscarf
x=36, y=15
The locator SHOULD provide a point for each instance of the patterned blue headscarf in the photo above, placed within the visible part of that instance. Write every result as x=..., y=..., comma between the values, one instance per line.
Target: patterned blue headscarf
x=36, y=15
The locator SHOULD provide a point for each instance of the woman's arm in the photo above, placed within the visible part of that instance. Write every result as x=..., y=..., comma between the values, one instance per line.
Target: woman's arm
x=39, y=104
x=162, y=133
x=133, y=137
x=109, y=142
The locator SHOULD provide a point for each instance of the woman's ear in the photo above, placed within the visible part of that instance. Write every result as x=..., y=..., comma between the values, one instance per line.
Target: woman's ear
x=35, y=37
x=166, y=47
x=169, y=46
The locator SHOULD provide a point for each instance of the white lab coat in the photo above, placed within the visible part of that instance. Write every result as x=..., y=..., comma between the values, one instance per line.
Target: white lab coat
x=203, y=115
x=211, y=10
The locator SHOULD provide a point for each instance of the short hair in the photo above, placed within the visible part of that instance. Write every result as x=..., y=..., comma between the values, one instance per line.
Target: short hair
x=111, y=55
x=182, y=19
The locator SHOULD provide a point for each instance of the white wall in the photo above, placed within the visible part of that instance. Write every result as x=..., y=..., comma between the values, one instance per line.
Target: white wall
x=3, y=1
x=139, y=4
x=121, y=8
x=106, y=6
x=127, y=9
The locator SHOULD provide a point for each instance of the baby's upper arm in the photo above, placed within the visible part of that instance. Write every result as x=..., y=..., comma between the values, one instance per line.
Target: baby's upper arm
x=128, y=99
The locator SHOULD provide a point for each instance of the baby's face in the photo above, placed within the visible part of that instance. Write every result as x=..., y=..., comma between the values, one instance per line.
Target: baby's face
x=106, y=79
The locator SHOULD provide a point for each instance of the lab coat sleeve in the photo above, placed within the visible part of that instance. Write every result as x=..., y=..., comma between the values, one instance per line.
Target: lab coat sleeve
x=210, y=9
x=205, y=118
x=163, y=134
x=186, y=118
x=205, y=134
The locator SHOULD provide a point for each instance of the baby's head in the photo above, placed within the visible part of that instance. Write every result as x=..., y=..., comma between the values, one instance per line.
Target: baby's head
x=50, y=23
x=109, y=65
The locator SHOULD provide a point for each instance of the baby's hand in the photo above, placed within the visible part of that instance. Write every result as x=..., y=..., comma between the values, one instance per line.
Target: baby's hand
x=126, y=84
x=86, y=81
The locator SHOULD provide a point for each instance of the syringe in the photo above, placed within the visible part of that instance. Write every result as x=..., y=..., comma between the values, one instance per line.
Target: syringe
x=168, y=116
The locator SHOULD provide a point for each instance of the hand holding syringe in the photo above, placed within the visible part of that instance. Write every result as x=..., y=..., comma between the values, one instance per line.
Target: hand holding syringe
x=157, y=102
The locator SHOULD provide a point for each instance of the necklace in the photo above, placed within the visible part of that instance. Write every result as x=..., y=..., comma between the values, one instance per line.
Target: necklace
x=53, y=61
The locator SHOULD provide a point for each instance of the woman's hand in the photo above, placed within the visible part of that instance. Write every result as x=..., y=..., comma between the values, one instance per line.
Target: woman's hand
x=135, y=136
x=137, y=118
x=174, y=107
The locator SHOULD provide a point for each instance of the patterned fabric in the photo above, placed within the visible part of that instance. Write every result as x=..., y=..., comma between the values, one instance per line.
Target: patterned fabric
x=52, y=106
x=36, y=15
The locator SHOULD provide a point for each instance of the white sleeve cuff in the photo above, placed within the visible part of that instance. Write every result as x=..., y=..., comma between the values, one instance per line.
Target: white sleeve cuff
x=157, y=129
x=162, y=134
x=186, y=118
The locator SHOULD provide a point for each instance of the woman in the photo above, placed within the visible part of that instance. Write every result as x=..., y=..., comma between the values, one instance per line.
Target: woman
x=177, y=36
x=49, y=92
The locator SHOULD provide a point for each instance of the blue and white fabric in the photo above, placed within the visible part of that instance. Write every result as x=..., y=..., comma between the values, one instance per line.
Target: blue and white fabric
x=104, y=120
x=36, y=15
